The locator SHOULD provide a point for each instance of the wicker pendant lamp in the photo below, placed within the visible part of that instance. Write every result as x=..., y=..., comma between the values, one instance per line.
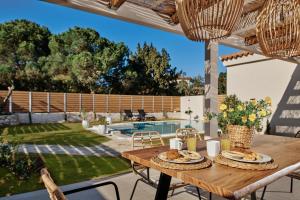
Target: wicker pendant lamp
x=203, y=20
x=278, y=28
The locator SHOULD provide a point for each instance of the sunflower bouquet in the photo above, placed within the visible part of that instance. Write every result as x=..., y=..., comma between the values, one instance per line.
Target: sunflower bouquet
x=235, y=112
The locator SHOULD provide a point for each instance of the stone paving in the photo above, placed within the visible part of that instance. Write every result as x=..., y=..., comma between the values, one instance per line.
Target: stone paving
x=98, y=150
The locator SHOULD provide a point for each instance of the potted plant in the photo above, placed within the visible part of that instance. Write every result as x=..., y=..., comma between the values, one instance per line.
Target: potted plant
x=239, y=119
x=85, y=123
x=102, y=127
x=189, y=112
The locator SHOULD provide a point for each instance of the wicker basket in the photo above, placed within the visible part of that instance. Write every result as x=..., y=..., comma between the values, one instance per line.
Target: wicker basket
x=240, y=136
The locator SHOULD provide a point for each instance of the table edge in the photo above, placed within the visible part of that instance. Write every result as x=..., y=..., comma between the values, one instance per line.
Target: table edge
x=265, y=181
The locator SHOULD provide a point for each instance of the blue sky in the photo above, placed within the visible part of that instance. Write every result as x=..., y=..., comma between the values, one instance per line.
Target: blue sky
x=185, y=55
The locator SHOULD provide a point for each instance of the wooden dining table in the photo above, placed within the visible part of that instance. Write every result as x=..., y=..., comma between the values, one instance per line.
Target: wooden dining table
x=225, y=181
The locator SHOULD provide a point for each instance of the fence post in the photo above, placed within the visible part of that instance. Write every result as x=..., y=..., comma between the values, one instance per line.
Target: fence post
x=48, y=102
x=65, y=106
x=107, y=105
x=172, y=109
x=153, y=104
x=93, y=96
x=80, y=104
x=131, y=103
x=30, y=107
x=10, y=109
x=30, y=102
x=120, y=103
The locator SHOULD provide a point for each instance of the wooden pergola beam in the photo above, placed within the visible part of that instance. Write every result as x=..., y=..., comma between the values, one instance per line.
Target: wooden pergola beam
x=115, y=4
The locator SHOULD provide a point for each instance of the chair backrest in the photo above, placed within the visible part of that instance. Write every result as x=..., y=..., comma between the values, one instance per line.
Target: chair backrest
x=146, y=139
x=54, y=192
x=141, y=112
x=128, y=113
x=184, y=133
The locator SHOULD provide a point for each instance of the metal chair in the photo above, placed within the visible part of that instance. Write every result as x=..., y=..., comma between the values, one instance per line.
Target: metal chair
x=184, y=133
x=56, y=194
x=294, y=175
x=148, y=139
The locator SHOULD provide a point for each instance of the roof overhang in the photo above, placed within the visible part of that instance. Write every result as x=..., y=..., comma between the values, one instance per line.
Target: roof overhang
x=151, y=13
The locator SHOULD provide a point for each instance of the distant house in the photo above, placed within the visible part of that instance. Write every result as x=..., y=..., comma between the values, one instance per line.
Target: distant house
x=184, y=78
x=255, y=76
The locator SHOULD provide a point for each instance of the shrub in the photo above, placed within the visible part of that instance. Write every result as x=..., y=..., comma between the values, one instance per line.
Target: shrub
x=20, y=165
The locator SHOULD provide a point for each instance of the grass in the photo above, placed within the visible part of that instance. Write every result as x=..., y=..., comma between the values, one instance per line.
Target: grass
x=55, y=133
x=65, y=169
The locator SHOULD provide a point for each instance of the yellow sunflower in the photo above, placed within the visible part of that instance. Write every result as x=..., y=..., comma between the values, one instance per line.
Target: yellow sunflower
x=252, y=117
x=244, y=119
x=268, y=100
x=253, y=101
x=223, y=107
x=263, y=113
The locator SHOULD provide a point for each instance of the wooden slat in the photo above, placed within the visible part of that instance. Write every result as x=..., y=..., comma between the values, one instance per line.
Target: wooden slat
x=167, y=104
x=125, y=102
x=148, y=103
x=100, y=103
x=137, y=103
x=176, y=104
x=226, y=181
x=73, y=102
x=57, y=102
x=114, y=104
x=20, y=101
x=87, y=102
x=39, y=102
x=3, y=94
x=157, y=104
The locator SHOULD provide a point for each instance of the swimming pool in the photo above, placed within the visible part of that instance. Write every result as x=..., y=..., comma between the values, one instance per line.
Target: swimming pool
x=163, y=127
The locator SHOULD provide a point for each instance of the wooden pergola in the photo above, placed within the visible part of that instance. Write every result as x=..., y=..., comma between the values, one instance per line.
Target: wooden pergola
x=161, y=14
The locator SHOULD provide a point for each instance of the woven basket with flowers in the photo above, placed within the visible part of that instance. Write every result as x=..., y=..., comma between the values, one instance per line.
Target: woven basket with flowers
x=239, y=119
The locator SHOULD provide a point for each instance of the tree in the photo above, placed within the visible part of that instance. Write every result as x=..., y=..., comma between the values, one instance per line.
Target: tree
x=222, y=83
x=82, y=61
x=22, y=43
x=150, y=72
x=194, y=87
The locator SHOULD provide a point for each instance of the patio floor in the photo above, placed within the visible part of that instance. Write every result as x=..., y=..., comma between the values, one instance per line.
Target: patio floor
x=276, y=191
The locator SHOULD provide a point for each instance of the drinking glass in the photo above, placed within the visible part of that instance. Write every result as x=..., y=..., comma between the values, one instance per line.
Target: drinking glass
x=192, y=143
x=225, y=143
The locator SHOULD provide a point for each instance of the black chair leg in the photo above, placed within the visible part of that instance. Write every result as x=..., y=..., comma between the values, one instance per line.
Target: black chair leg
x=210, y=196
x=132, y=193
x=263, y=193
x=291, y=188
x=198, y=191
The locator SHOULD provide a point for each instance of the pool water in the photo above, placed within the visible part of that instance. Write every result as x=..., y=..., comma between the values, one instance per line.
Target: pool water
x=163, y=127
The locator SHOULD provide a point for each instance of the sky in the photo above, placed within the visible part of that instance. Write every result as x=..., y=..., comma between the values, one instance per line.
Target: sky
x=186, y=55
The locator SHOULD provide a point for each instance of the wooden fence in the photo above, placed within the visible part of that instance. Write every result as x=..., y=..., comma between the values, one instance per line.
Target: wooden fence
x=43, y=102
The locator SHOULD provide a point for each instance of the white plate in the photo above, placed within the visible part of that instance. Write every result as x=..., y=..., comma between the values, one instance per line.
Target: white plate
x=163, y=157
x=264, y=158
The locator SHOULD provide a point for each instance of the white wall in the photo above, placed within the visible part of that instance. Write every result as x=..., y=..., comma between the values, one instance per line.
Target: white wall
x=195, y=103
x=264, y=77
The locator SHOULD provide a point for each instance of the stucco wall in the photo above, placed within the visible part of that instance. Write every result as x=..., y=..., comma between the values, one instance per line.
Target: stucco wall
x=195, y=103
x=265, y=77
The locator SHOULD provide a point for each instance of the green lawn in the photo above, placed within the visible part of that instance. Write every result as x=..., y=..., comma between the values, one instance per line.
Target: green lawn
x=65, y=169
x=63, y=134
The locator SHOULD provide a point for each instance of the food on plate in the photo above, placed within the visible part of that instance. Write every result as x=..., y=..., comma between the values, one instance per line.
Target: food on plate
x=180, y=156
x=173, y=154
x=242, y=154
x=190, y=154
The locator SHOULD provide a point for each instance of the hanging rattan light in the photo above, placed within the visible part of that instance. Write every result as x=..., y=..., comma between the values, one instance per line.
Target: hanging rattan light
x=278, y=28
x=203, y=20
